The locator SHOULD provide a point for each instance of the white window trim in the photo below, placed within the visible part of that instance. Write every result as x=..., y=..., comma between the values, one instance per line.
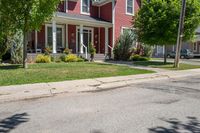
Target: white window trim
x=195, y=45
x=127, y=13
x=59, y=26
x=122, y=29
x=85, y=13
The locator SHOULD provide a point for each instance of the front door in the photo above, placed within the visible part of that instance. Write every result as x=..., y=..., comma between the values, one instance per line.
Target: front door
x=87, y=38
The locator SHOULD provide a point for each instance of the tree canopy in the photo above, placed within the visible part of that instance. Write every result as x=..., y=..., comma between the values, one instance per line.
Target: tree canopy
x=24, y=15
x=157, y=21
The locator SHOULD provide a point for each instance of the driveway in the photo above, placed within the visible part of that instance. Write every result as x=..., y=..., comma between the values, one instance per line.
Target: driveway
x=161, y=106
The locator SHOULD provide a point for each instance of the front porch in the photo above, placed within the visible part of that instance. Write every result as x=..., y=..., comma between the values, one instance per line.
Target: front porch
x=72, y=32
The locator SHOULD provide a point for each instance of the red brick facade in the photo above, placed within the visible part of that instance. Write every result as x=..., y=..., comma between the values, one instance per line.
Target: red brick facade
x=103, y=12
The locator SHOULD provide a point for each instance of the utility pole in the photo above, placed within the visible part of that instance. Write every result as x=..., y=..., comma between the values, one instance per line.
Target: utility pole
x=180, y=34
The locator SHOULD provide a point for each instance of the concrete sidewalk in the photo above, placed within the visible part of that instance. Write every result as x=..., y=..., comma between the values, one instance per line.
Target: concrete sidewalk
x=39, y=90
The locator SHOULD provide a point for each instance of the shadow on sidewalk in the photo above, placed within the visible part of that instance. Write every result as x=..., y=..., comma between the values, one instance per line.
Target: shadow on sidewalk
x=10, y=123
x=191, y=126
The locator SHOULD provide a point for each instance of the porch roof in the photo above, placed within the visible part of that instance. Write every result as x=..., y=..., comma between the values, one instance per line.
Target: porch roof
x=77, y=19
x=100, y=2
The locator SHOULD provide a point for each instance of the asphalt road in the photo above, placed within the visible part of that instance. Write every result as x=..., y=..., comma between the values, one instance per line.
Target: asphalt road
x=167, y=106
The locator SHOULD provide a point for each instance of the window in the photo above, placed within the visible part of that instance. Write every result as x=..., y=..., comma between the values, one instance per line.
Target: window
x=49, y=37
x=59, y=36
x=127, y=30
x=129, y=7
x=85, y=6
x=195, y=47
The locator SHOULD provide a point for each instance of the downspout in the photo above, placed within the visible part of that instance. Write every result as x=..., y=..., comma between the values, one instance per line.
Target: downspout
x=113, y=22
x=99, y=30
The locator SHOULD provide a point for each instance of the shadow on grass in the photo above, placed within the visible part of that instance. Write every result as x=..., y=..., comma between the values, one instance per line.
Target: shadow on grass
x=152, y=63
x=10, y=123
x=192, y=125
x=7, y=67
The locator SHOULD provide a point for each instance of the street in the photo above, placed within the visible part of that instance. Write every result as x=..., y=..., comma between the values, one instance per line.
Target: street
x=159, y=106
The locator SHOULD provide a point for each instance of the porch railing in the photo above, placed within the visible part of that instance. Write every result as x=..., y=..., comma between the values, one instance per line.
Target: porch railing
x=109, y=55
x=110, y=47
x=86, y=53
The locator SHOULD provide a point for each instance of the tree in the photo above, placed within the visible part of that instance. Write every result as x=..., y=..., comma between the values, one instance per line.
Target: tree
x=157, y=22
x=7, y=24
x=29, y=15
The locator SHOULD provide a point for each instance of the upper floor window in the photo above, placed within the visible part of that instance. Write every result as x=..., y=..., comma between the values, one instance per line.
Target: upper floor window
x=85, y=6
x=129, y=7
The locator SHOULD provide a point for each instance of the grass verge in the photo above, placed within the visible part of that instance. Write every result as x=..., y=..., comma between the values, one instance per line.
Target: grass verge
x=52, y=72
x=170, y=66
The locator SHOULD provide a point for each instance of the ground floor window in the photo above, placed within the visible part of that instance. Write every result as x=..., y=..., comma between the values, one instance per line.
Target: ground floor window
x=59, y=36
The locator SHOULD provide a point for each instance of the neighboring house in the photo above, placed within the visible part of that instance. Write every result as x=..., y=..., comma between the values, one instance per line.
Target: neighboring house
x=80, y=22
x=192, y=46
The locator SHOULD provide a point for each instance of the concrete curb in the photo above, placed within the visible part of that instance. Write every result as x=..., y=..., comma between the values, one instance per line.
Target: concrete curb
x=40, y=90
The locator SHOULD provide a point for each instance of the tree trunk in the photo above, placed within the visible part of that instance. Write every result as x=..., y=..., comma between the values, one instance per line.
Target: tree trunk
x=165, y=54
x=25, y=49
x=25, y=40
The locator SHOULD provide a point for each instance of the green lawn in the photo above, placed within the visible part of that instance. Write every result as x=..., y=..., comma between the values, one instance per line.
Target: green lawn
x=158, y=64
x=37, y=73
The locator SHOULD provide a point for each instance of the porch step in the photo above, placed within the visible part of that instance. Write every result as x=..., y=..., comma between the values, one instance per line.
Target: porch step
x=96, y=56
x=99, y=57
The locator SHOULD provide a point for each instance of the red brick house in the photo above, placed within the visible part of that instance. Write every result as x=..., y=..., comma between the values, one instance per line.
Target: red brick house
x=80, y=22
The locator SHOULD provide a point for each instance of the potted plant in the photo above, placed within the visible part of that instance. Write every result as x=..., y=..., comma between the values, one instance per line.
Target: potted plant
x=92, y=51
x=47, y=50
x=67, y=51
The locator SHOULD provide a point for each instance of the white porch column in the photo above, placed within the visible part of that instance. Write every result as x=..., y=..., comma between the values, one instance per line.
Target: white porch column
x=36, y=41
x=54, y=36
x=81, y=39
x=106, y=40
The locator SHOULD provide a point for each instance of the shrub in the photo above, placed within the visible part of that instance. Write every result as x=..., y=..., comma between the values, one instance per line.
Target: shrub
x=148, y=50
x=67, y=51
x=43, y=59
x=71, y=58
x=3, y=46
x=58, y=60
x=62, y=57
x=17, y=48
x=80, y=59
x=144, y=50
x=92, y=51
x=124, y=45
x=55, y=59
x=139, y=58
